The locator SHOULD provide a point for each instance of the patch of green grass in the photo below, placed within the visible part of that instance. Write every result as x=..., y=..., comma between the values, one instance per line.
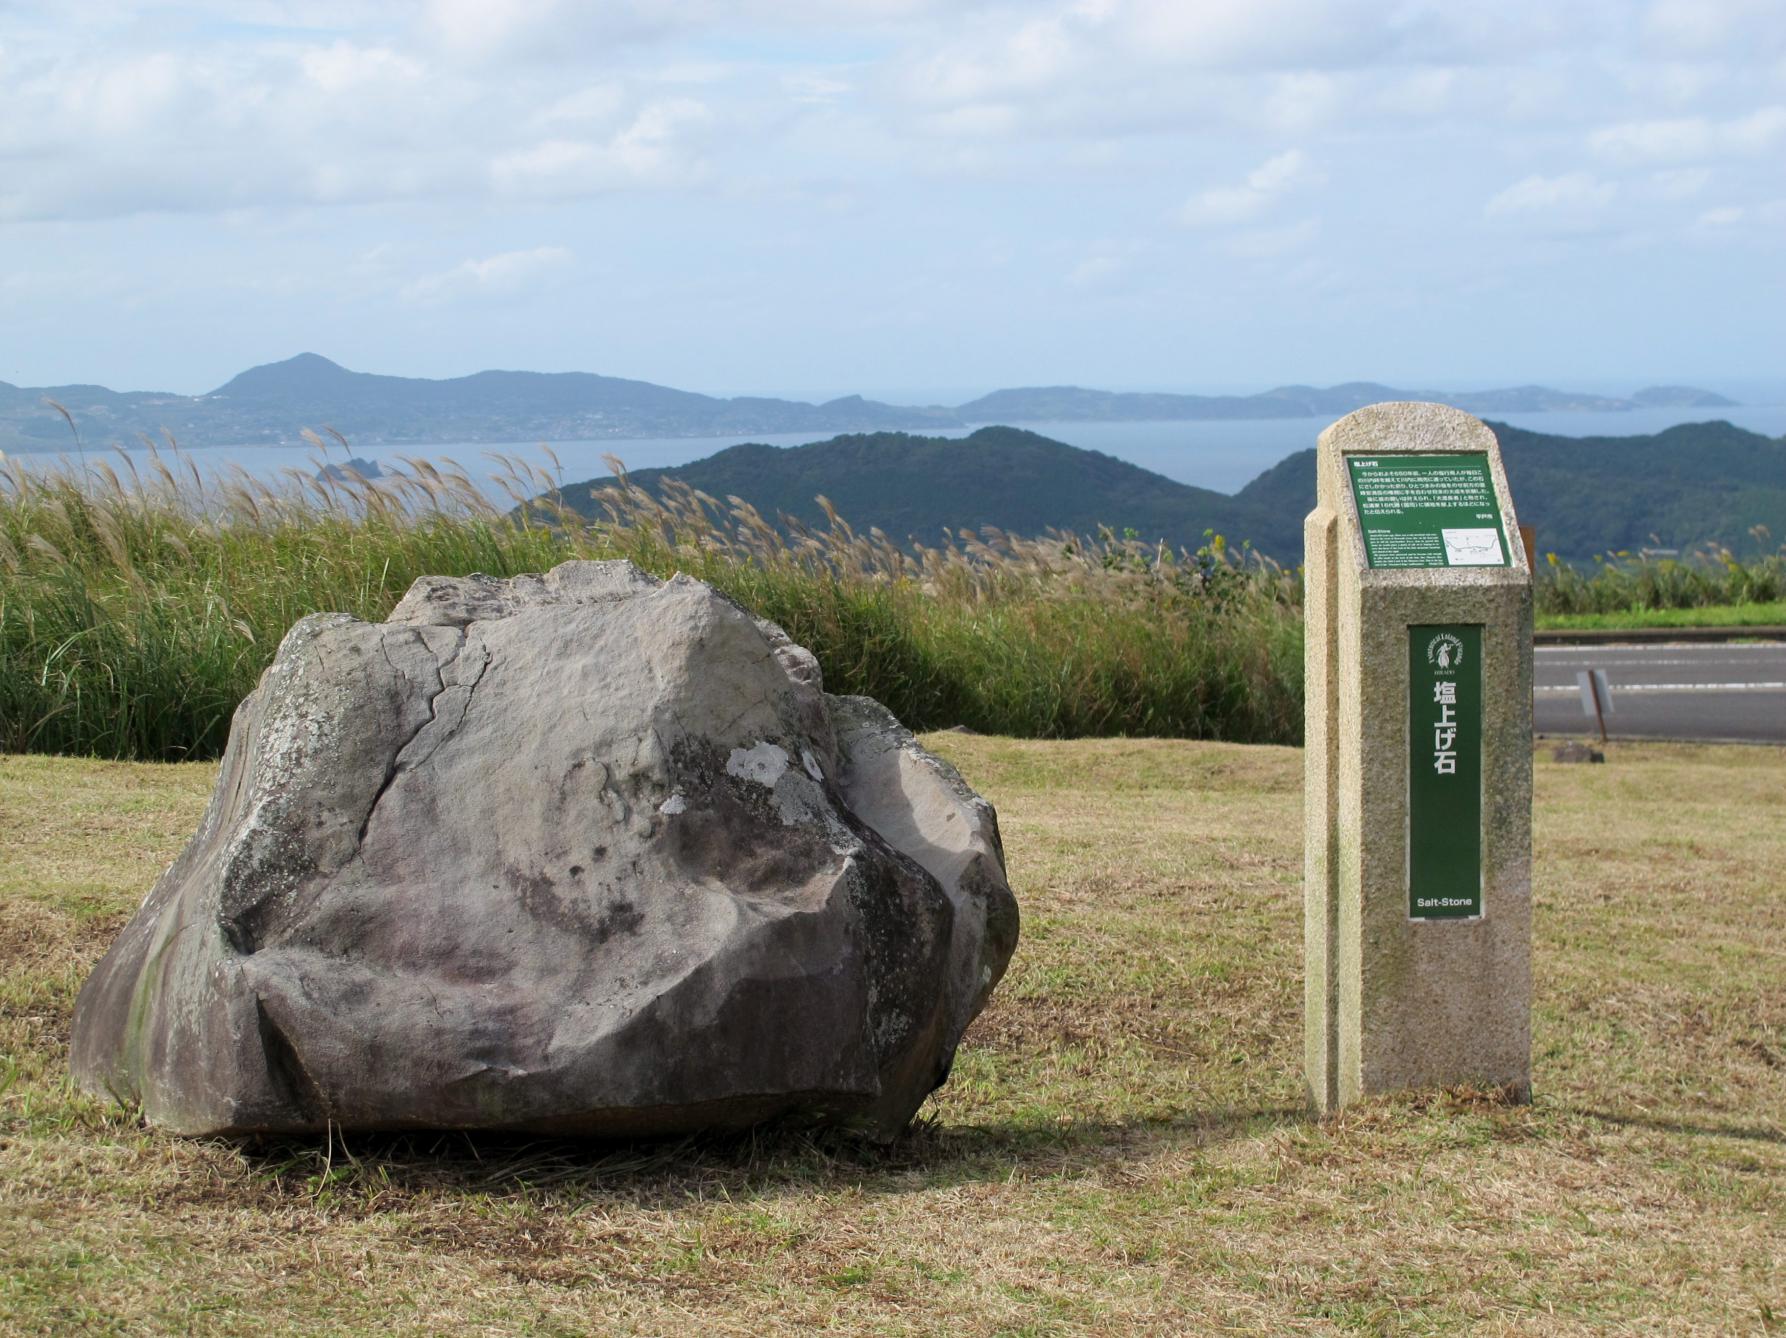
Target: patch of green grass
x=1627, y=585
x=1710, y=615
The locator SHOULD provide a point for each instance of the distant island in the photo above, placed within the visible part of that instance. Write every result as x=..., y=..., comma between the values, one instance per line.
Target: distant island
x=1063, y=404
x=349, y=471
x=272, y=404
x=1689, y=484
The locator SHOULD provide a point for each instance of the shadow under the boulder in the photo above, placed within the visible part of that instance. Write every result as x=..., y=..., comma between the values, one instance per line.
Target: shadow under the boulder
x=766, y=1159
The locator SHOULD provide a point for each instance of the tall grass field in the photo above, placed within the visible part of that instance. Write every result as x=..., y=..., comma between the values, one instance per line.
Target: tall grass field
x=1624, y=583
x=138, y=607
x=136, y=610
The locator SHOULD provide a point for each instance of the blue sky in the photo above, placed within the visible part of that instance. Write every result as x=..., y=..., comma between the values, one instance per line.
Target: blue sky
x=899, y=197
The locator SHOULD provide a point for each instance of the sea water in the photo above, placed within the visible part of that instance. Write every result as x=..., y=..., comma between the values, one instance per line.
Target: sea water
x=1223, y=455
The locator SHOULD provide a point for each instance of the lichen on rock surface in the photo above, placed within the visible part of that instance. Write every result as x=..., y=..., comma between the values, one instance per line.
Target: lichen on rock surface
x=584, y=852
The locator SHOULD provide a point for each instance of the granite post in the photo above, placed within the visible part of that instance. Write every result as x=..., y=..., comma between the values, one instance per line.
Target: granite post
x=1418, y=795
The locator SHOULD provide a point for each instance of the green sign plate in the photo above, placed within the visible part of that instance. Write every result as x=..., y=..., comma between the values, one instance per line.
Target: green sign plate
x=1445, y=771
x=1428, y=510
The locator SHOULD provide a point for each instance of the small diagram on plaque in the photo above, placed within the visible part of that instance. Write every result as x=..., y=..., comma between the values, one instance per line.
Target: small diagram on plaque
x=1472, y=548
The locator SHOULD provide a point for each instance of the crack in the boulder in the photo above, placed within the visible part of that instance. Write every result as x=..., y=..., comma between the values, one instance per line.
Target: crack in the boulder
x=384, y=649
x=440, y=690
x=399, y=764
x=440, y=669
x=390, y=775
x=448, y=728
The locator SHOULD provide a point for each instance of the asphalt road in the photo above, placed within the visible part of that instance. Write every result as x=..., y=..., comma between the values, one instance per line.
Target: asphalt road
x=1669, y=691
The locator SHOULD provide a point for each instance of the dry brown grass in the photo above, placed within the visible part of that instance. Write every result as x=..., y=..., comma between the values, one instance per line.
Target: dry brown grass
x=1121, y=1149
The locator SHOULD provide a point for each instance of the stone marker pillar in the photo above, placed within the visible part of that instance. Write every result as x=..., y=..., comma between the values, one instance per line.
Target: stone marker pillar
x=1418, y=795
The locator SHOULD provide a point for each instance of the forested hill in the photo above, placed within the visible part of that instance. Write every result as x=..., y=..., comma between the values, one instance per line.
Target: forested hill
x=913, y=486
x=1689, y=484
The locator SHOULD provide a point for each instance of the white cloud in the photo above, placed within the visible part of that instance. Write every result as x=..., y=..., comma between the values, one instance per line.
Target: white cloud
x=578, y=31
x=1679, y=83
x=508, y=275
x=1112, y=266
x=994, y=63
x=1424, y=92
x=343, y=69
x=1679, y=183
x=1262, y=34
x=1762, y=220
x=1713, y=26
x=1096, y=271
x=1264, y=185
x=652, y=149
x=268, y=103
x=1691, y=138
x=816, y=88
x=258, y=125
x=981, y=122
x=1272, y=243
x=593, y=104
x=1302, y=101
x=489, y=32
x=1573, y=193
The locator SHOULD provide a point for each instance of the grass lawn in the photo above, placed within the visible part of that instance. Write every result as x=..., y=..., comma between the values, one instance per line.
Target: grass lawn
x=1712, y=615
x=1122, y=1148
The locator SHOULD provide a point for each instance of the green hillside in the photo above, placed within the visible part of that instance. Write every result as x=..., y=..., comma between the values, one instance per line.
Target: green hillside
x=913, y=487
x=1692, y=484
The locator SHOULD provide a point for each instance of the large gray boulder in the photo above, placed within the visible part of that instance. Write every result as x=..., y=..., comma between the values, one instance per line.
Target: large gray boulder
x=576, y=853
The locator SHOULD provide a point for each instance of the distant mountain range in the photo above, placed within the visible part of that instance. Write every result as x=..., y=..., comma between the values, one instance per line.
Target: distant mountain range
x=1062, y=404
x=1690, y=484
x=269, y=405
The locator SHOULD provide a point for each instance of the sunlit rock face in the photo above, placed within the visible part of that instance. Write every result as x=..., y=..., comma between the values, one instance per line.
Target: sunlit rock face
x=576, y=853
